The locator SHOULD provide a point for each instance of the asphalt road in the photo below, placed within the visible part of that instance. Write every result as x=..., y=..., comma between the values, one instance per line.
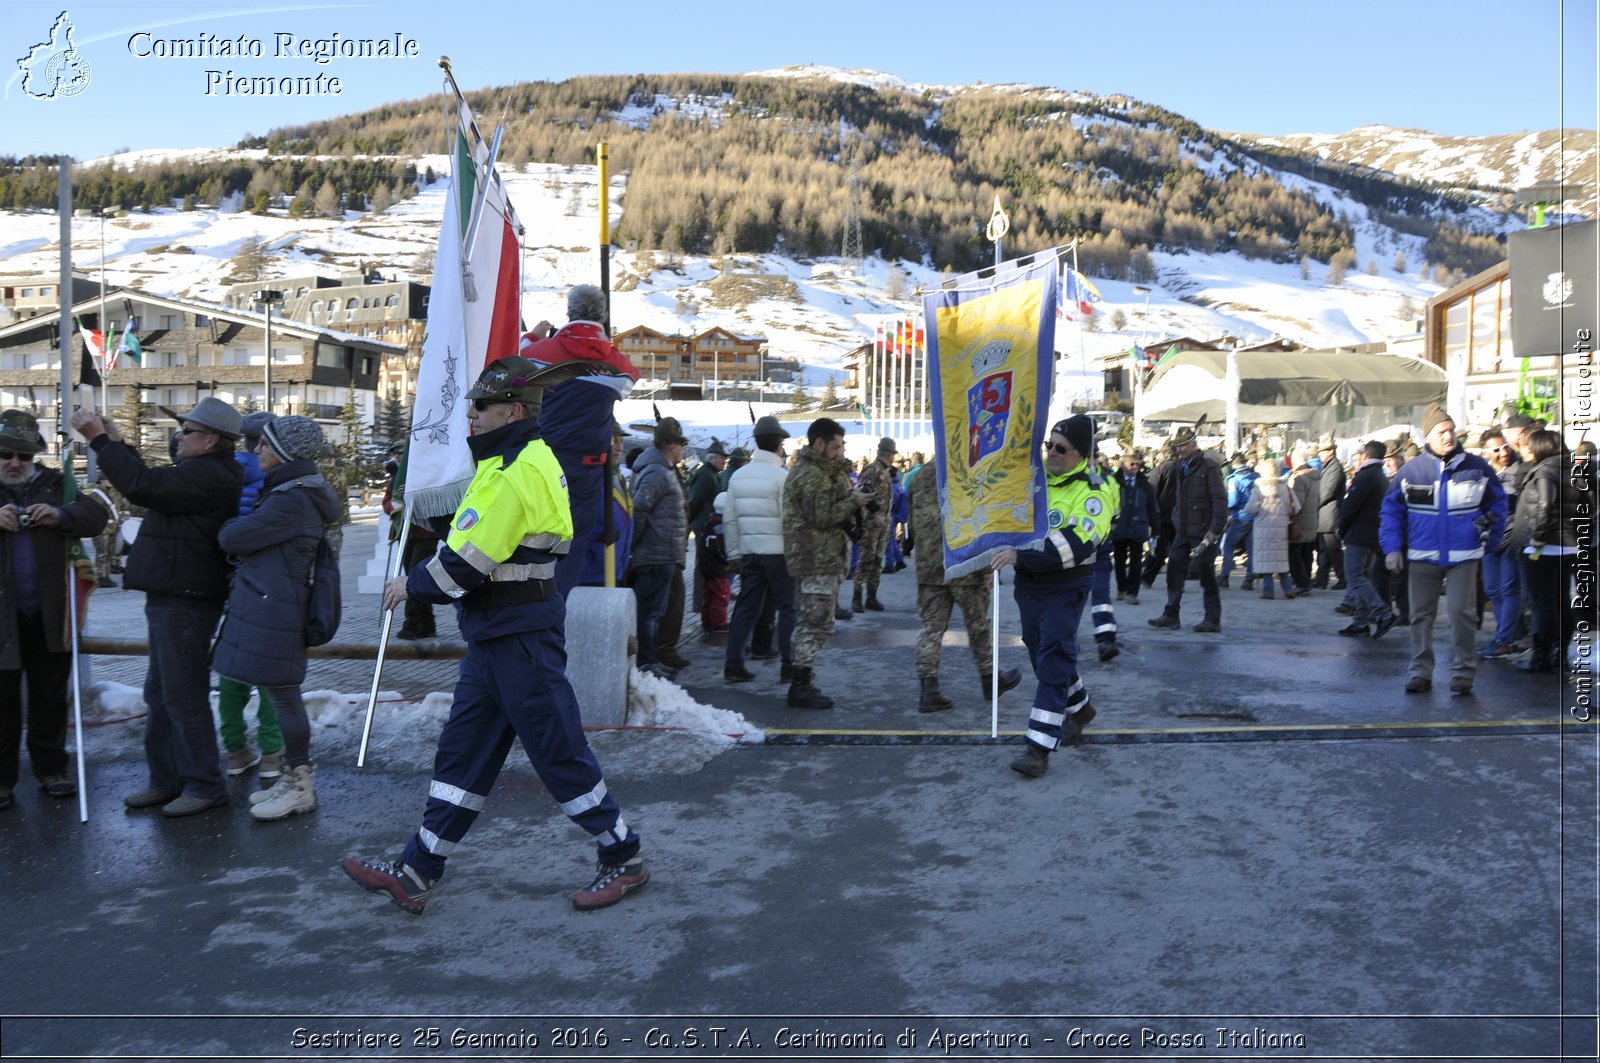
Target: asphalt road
x=1267, y=849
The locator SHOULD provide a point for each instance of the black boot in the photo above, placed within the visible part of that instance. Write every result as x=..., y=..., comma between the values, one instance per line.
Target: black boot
x=1010, y=678
x=872, y=601
x=932, y=700
x=804, y=695
x=841, y=613
x=1032, y=762
x=855, y=601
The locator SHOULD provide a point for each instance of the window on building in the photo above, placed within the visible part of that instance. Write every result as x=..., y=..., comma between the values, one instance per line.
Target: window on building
x=44, y=293
x=352, y=303
x=27, y=293
x=201, y=320
x=333, y=357
x=393, y=300
x=169, y=321
x=366, y=365
x=316, y=307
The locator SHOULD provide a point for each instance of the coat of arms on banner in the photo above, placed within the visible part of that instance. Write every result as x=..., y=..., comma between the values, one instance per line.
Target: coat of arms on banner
x=988, y=414
x=1557, y=289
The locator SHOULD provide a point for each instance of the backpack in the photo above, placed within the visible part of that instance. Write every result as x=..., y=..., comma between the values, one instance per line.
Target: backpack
x=325, y=604
x=324, y=607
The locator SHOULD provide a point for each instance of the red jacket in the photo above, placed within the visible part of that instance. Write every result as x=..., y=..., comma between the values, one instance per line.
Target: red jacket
x=577, y=416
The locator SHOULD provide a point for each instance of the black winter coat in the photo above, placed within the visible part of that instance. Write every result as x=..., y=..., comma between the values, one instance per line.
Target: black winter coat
x=1200, y=501
x=176, y=552
x=1549, y=506
x=1138, y=515
x=1362, y=508
x=1332, y=497
x=263, y=637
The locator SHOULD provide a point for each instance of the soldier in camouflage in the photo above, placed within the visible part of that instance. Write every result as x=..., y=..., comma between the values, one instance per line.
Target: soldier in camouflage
x=818, y=505
x=936, y=596
x=876, y=481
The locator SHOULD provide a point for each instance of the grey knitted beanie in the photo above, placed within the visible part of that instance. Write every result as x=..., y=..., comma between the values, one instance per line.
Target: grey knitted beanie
x=293, y=438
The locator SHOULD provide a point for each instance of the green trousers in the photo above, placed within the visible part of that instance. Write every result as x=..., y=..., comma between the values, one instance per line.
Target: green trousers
x=232, y=696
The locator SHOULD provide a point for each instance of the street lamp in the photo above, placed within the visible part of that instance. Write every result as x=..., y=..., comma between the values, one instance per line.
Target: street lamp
x=266, y=297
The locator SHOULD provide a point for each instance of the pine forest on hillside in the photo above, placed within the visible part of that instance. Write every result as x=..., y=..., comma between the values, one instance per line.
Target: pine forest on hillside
x=722, y=164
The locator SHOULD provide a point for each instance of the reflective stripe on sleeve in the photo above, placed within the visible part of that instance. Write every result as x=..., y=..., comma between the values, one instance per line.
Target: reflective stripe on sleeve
x=435, y=569
x=1063, y=548
x=475, y=557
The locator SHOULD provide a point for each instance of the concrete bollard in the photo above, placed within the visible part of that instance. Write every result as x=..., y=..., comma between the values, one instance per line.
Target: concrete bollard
x=601, y=625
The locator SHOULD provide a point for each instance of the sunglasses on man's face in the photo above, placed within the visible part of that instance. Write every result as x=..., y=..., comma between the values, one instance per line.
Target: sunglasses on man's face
x=192, y=431
x=9, y=455
x=1058, y=448
x=483, y=404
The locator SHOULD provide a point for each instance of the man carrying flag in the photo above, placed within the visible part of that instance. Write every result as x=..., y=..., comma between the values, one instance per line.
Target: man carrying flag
x=1052, y=585
x=498, y=567
x=40, y=524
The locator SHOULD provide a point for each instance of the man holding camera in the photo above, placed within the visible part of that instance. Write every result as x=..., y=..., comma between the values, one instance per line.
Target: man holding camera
x=818, y=506
x=38, y=525
x=179, y=565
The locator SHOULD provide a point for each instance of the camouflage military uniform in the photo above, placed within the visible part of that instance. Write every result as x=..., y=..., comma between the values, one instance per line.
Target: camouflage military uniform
x=108, y=541
x=817, y=507
x=935, y=595
x=874, y=527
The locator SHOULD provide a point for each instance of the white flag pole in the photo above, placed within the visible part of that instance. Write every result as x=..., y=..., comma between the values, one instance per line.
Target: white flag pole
x=64, y=435
x=396, y=557
x=994, y=656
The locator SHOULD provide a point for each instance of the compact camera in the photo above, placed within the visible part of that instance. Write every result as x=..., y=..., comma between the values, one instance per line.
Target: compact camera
x=24, y=519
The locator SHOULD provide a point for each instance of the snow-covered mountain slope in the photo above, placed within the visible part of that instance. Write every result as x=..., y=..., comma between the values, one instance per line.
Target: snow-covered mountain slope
x=1498, y=164
x=813, y=311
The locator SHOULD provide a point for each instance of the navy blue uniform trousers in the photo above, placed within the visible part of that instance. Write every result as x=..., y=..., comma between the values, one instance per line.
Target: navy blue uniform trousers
x=1101, y=612
x=515, y=686
x=1051, y=612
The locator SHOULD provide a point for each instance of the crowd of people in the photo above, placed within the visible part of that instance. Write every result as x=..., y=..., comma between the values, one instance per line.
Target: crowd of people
x=1491, y=528
x=230, y=538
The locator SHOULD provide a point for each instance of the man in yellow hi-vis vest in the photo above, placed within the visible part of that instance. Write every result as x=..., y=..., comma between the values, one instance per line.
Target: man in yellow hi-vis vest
x=1053, y=582
x=498, y=566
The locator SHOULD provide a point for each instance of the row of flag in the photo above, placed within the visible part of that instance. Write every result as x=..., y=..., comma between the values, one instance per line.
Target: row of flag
x=902, y=338
x=108, y=350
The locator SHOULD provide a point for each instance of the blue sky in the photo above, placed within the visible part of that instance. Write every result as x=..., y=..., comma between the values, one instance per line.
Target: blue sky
x=1463, y=67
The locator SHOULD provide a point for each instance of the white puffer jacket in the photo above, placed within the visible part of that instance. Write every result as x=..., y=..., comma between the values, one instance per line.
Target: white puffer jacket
x=752, y=506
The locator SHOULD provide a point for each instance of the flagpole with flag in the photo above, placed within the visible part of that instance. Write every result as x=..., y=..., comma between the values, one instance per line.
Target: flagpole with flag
x=991, y=353
x=75, y=552
x=474, y=316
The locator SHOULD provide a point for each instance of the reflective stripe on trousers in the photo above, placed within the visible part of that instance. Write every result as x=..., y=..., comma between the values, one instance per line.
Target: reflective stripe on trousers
x=514, y=686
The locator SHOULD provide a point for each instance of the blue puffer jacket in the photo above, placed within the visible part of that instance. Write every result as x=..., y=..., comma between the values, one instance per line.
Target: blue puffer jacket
x=1239, y=483
x=1434, y=508
x=250, y=462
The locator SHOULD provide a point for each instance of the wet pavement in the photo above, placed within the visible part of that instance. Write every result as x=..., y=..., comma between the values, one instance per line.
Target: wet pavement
x=1265, y=848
